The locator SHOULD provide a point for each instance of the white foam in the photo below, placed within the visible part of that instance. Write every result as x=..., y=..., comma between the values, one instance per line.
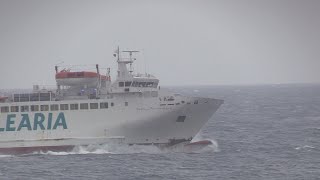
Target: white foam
x=115, y=148
x=305, y=147
x=92, y=149
x=214, y=147
x=107, y=149
x=5, y=156
x=308, y=147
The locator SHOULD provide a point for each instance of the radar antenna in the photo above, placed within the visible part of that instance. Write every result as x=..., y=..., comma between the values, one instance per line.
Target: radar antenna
x=130, y=58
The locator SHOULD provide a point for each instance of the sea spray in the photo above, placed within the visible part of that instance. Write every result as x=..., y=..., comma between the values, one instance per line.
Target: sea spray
x=212, y=147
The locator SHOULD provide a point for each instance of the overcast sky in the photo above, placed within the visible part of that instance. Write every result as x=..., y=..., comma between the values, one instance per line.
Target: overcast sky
x=199, y=42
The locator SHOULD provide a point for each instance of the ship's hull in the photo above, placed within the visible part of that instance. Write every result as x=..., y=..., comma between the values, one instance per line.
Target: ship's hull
x=140, y=122
x=33, y=149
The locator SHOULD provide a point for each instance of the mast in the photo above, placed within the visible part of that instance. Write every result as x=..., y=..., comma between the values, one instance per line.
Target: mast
x=118, y=53
x=130, y=59
x=99, y=80
x=122, y=64
x=58, y=85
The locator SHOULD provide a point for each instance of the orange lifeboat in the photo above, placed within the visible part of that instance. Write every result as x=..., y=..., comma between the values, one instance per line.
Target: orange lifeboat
x=3, y=99
x=67, y=78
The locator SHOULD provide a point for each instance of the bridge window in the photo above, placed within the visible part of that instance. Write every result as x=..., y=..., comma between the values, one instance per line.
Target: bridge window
x=93, y=105
x=24, y=108
x=103, y=105
x=149, y=84
x=4, y=109
x=134, y=84
x=121, y=84
x=170, y=98
x=112, y=104
x=128, y=83
x=181, y=118
x=155, y=85
x=34, y=108
x=74, y=106
x=64, y=107
x=142, y=84
x=126, y=103
x=14, y=108
x=54, y=107
x=44, y=108
x=196, y=102
x=84, y=106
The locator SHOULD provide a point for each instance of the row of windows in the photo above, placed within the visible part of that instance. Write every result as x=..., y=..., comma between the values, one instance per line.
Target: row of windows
x=138, y=84
x=182, y=102
x=33, y=97
x=56, y=107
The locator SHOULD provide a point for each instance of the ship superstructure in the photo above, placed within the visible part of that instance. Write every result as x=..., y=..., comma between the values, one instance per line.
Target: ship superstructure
x=87, y=108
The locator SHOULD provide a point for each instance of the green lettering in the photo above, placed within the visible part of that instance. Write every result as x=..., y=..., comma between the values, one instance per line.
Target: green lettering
x=10, y=121
x=49, y=121
x=61, y=121
x=38, y=121
x=25, y=122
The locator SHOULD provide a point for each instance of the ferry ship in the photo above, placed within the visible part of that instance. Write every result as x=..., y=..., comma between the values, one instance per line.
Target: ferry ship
x=86, y=108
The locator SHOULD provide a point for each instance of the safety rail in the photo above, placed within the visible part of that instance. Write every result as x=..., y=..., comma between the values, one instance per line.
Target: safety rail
x=27, y=97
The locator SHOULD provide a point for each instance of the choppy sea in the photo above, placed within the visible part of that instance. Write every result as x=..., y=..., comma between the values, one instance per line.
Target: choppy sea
x=260, y=132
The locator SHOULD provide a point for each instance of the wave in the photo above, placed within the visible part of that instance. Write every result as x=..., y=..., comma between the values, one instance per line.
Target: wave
x=107, y=149
x=118, y=148
x=214, y=147
x=5, y=156
x=134, y=149
x=305, y=147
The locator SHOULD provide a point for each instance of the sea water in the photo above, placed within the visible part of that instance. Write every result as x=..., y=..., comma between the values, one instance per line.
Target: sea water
x=260, y=132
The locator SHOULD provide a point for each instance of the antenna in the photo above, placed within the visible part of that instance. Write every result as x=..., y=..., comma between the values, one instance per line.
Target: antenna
x=108, y=71
x=118, y=52
x=145, y=63
x=99, y=80
x=130, y=58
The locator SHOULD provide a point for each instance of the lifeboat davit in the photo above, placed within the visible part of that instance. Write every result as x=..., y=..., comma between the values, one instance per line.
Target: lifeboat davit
x=66, y=78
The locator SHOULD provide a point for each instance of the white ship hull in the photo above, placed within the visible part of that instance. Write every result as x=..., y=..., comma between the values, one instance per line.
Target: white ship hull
x=131, y=110
x=143, y=121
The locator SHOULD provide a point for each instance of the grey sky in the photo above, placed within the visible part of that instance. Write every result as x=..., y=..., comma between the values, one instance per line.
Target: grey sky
x=183, y=42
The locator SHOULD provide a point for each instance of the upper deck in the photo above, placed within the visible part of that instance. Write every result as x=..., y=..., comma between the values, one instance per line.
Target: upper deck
x=80, y=85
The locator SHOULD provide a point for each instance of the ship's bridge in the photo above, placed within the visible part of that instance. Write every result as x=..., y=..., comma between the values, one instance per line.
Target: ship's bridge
x=127, y=81
x=137, y=83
